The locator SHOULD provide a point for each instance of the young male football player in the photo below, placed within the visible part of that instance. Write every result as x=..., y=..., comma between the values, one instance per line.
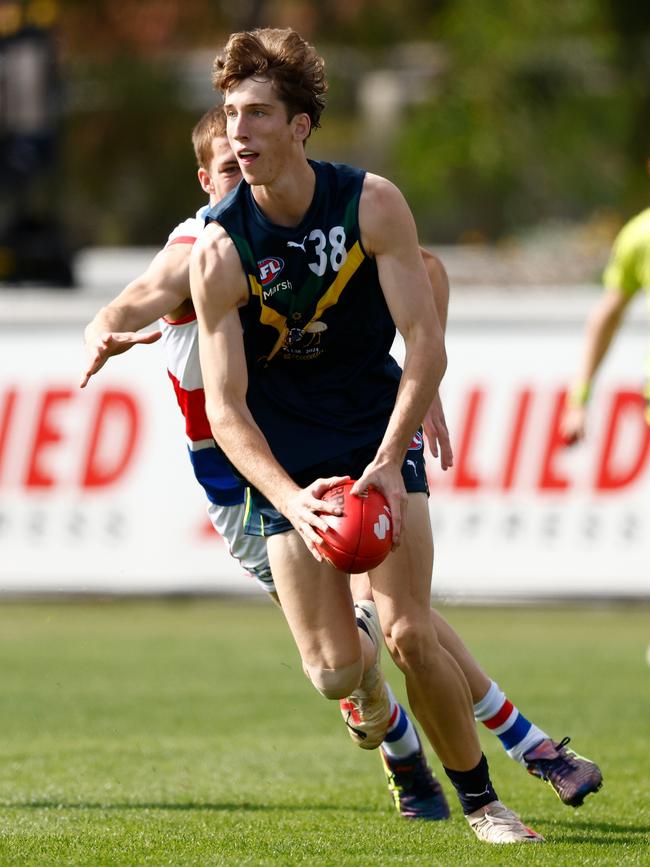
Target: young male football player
x=163, y=291
x=297, y=409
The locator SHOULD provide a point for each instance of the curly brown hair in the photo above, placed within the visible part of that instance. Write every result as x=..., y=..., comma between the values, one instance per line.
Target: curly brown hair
x=209, y=127
x=293, y=65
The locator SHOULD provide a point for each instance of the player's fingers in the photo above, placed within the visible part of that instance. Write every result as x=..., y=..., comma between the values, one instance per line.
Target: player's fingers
x=446, y=452
x=312, y=519
x=321, y=485
x=310, y=543
x=446, y=458
x=398, y=504
x=326, y=507
x=361, y=485
x=148, y=337
x=96, y=364
x=311, y=538
x=431, y=435
x=313, y=550
x=121, y=339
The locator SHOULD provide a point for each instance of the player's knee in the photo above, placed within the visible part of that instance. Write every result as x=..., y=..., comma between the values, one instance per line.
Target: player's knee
x=335, y=683
x=411, y=641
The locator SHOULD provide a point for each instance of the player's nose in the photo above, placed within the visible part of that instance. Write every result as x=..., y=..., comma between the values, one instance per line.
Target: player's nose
x=237, y=128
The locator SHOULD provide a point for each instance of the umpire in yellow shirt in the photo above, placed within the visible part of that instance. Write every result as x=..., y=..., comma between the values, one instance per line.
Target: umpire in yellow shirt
x=627, y=272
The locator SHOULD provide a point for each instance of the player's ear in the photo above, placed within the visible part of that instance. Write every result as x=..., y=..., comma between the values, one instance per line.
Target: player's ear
x=206, y=182
x=301, y=126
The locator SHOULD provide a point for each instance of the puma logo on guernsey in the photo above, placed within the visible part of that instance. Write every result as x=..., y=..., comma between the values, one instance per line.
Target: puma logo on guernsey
x=299, y=246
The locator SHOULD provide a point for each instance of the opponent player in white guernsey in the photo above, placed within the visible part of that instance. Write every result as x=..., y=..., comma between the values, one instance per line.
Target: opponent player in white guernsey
x=162, y=292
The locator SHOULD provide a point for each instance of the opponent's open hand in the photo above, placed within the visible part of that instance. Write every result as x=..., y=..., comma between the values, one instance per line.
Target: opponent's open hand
x=113, y=343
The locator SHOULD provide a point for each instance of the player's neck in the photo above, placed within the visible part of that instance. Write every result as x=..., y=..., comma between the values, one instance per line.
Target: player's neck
x=286, y=200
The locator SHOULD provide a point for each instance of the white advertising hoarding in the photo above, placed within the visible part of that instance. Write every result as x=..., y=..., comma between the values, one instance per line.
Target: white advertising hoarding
x=97, y=494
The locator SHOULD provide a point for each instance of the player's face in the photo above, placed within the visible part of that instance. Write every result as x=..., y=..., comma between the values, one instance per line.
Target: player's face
x=224, y=168
x=260, y=134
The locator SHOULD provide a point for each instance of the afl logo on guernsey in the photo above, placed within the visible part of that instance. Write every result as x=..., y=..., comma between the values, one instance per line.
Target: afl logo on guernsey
x=417, y=442
x=269, y=269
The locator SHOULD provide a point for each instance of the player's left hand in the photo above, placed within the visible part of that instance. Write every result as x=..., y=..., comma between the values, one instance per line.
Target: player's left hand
x=386, y=477
x=435, y=430
x=304, y=508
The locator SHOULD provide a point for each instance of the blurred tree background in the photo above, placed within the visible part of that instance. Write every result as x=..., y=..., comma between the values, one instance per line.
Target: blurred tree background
x=493, y=117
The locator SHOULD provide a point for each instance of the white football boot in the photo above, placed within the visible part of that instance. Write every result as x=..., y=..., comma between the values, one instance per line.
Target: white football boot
x=495, y=823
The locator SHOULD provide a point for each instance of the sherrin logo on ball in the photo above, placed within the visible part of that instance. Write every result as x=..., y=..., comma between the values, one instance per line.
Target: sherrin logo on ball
x=383, y=524
x=362, y=537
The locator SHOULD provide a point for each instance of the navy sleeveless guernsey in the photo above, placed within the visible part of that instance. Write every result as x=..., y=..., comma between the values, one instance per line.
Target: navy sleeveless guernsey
x=317, y=330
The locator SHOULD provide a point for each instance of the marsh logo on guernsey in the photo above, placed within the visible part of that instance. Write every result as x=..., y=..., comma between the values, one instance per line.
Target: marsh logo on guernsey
x=417, y=442
x=269, y=269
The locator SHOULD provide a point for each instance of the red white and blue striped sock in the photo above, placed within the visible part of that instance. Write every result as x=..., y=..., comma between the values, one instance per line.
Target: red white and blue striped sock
x=515, y=732
x=401, y=738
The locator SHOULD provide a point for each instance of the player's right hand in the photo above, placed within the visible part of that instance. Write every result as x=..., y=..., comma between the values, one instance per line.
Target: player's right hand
x=302, y=508
x=113, y=343
x=387, y=477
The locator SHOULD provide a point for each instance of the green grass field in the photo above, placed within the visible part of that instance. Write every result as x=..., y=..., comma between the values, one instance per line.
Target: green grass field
x=183, y=733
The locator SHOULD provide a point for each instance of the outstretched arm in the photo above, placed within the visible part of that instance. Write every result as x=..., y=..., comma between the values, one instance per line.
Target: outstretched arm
x=389, y=232
x=602, y=325
x=218, y=289
x=161, y=289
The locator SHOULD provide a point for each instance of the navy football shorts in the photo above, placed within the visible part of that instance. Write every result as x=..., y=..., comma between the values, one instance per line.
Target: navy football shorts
x=263, y=519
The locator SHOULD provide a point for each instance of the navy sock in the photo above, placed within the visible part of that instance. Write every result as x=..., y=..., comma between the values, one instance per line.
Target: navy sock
x=474, y=788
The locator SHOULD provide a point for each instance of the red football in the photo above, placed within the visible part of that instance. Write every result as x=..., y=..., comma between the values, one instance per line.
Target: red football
x=360, y=538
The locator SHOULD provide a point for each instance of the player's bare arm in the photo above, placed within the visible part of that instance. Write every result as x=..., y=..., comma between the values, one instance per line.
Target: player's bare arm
x=389, y=233
x=602, y=325
x=162, y=289
x=218, y=289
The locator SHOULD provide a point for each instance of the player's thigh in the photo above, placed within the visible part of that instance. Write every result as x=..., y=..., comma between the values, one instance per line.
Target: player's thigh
x=316, y=602
x=249, y=551
x=401, y=585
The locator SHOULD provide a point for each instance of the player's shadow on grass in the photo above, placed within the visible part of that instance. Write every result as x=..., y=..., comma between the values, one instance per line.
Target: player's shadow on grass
x=603, y=833
x=157, y=805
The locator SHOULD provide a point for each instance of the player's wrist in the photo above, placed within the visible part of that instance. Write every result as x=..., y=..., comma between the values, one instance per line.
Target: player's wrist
x=579, y=395
x=282, y=494
x=386, y=459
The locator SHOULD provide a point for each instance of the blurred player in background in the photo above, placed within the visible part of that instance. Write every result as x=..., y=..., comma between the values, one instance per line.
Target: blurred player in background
x=162, y=291
x=627, y=272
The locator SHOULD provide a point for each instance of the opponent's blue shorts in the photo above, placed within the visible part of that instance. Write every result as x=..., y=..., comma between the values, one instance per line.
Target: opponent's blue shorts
x=263, y=519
